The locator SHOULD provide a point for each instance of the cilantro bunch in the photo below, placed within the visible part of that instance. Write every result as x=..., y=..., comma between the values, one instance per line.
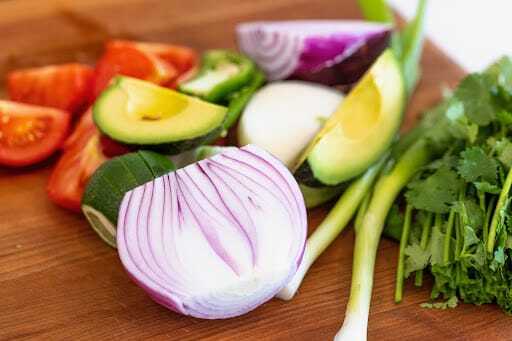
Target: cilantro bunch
x=457, y=222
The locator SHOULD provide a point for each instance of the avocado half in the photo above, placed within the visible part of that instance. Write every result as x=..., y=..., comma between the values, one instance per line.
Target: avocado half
x=360, y=130
x=137, y=112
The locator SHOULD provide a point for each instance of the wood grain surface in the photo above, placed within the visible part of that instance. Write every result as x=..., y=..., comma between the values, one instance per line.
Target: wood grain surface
x=59, y=281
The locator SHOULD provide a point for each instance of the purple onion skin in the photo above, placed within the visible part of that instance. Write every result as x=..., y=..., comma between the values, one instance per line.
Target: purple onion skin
x=339, y=70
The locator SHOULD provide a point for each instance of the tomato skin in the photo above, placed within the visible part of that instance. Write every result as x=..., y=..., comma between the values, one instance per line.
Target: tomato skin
x=112, y=148
x=30, y=134
x=128, y=61
x=65, y=86
x=181, y=57
x=81, y=156
x=162, y=64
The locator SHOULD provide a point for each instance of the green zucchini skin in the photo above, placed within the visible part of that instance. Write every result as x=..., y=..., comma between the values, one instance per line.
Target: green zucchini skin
x=114, y=178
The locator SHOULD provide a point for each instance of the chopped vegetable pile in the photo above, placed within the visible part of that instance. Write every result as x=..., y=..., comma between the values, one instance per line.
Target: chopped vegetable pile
x=226, y=231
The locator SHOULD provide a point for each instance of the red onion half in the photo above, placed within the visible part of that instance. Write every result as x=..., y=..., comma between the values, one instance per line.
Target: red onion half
x=331, y=52
x=217, y=238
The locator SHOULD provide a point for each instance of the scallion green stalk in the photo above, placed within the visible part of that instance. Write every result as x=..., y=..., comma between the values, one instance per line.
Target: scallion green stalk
x=358, y=221
x=386, y=190
x=337, y=219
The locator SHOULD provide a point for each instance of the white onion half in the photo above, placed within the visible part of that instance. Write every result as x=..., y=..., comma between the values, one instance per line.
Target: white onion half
x=217, y=238
x=283, y=117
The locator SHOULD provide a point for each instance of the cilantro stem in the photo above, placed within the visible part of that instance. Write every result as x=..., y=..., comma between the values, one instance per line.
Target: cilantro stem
x=458, y=235
x=496, y=216
x=418, y=278
x=501, y=175
x=425, y=231
x=463, y=221
x=399, y=285
x=448, y=236
x=488, y=215
x=438, y=220
x=481, y=200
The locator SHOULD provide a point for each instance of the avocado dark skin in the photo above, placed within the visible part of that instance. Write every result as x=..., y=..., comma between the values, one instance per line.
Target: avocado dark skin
x=182, y=146
x=178, y=146
x=304, y=175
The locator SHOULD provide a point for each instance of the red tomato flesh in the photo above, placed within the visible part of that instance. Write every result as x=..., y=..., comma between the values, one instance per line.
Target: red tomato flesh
x=81, y=156
x=66, y=86
x=29, y=134
x=161, y=64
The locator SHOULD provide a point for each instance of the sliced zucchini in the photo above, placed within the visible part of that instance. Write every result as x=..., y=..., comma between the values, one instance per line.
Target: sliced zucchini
x=107, y=186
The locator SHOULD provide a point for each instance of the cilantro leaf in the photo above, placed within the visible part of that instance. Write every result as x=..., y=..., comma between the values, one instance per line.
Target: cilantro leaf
x=448, y=160
x=476, y=259
x=476, y=165
x=394, y=223
x=470, y=237
x=501, y=74
x=470, y=213
x=436, y=245
x=504, y=117
x=417, y=259
x=452, y=302
x=486, y=187
x=503, y=149
x=499, y=258
x=474, y=91
x=436, y=192
x=461, y=128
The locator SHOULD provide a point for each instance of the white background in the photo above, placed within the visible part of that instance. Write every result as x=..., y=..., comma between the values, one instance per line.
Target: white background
x=473, y=32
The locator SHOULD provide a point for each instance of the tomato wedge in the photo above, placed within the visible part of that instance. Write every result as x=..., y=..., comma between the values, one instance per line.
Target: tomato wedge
x=81, y=156
x=65, y=86
x=29, y=134
x=181, y=57
x=158, y=63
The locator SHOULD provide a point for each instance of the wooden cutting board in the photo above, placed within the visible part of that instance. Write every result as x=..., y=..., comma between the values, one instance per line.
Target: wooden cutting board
x=59, y=281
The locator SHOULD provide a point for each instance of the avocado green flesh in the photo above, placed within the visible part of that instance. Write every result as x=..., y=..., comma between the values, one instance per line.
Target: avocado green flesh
x=362, y=128
x=108, y=185
x=316, y=196
x=138, y=112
